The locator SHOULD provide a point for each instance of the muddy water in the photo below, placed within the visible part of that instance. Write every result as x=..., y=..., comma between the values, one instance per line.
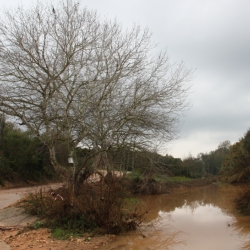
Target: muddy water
x=200, y=219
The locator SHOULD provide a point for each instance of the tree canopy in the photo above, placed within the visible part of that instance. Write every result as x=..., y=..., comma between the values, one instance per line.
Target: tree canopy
x=67, y=75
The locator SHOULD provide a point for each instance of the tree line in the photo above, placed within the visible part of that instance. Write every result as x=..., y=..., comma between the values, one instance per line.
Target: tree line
x=25, y=158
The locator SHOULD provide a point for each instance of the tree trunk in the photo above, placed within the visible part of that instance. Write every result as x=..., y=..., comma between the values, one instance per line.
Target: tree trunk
x=62, y=171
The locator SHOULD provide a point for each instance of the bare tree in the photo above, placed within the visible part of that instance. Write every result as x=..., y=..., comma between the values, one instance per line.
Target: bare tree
x=65, y=74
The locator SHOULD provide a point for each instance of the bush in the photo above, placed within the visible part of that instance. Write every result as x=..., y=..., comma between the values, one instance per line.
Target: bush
x=23, y=157
x=99, y=205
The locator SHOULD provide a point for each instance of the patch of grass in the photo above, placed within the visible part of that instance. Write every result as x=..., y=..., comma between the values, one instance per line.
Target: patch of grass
x=59, y=234
x=135, y=176
x=132, y=201
x=174, y=179
x=74, y=222
x=38, y=224
x=131, y=204
x=63, y=234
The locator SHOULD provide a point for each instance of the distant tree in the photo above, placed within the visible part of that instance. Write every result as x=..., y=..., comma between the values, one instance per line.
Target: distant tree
x=213, y=160
x=69, y=77
x=246, y=141
x=193, y=167
x=174, y=165
x=224, y=146
x=236, y=166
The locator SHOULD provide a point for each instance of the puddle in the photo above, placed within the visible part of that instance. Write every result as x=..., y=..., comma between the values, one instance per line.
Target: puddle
x=192, y=220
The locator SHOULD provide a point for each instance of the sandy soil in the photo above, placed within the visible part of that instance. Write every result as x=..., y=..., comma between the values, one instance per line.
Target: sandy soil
x=41, y=239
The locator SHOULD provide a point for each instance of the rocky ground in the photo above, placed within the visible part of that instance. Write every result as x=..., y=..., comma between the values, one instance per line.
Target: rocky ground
x=23, y=239
x=15, y=231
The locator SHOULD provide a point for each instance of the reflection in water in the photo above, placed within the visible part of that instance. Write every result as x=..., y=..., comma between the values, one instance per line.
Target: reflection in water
x=206, y=227
x=199, y=219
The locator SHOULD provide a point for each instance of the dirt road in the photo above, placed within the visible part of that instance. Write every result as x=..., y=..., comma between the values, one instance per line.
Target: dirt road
x=11, y=196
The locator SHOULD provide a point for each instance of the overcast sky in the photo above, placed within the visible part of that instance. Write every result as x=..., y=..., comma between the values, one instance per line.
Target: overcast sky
x=210, y=36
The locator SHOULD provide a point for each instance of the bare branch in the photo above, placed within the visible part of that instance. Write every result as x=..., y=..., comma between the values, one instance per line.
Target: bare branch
x=66, y=74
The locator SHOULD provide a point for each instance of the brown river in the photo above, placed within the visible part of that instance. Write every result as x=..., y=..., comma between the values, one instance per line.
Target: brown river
x=198, y=219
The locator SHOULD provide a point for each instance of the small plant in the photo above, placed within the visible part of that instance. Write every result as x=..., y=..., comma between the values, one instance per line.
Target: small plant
x=38, y=224
x=60, y=234
x=38, y=203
